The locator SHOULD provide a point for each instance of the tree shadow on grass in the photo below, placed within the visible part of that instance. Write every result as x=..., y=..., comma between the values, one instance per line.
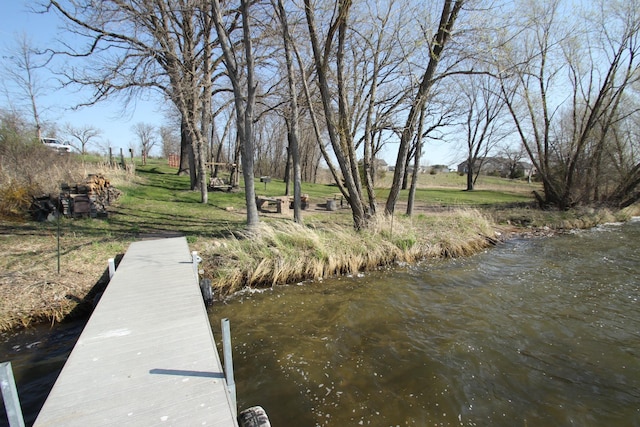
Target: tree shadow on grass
x=169, y=181
x=8, y=228
x=139, y=221
x=127, y=223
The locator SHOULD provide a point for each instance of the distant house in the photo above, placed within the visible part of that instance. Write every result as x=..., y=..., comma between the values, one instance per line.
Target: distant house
x=526, y=169
x=420, y=169
x=380, y=165
x=392, y=168
x=439, y=169
x=499, y=166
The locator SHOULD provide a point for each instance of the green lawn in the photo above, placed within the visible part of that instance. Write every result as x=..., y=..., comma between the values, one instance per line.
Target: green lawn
x=161, y=201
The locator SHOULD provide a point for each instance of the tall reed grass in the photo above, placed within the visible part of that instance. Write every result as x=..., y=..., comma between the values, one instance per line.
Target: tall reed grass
x=284, y=252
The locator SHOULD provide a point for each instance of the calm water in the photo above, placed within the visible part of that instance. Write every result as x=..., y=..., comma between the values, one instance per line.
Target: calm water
x=532, y=333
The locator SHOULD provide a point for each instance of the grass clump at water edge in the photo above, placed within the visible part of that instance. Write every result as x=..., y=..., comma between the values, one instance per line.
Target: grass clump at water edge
x=280, y=252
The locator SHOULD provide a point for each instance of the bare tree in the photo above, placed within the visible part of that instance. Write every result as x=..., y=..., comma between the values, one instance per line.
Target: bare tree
x=483, y=124
x=244, y=92
x=22, y=81
x=80, y=137
x=220, y=152
x=416, y=164
x=435, y=116
x=293, y=118
x=448, y=16
x=310, y=154
x=315, y=117
x=515, y=154
x=566, y=136
x=337, y=124
x=147, y=138
x=529, y=70
x=170, y=140
x=133, y=46
x=621, y=160
x=381, y=68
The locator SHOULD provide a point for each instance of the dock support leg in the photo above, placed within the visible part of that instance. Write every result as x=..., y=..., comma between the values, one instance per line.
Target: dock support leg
x=10, y=395
x=112, y=268
x=195, y=258
x=228, y=363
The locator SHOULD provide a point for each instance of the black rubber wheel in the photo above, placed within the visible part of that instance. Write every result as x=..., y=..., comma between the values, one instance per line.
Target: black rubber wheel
x=254, y=417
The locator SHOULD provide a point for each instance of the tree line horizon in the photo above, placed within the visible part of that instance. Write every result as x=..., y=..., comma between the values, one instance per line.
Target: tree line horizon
x=552, y=82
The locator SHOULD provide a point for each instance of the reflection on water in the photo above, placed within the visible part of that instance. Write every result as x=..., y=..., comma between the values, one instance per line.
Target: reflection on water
x=531, y=333
x=535, y=332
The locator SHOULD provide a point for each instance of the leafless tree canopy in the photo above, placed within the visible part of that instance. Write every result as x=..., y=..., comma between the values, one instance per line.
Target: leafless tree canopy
x=330, y=82
x=570, y=83
x=22, y=83
x=81, y=137
x=147, y=136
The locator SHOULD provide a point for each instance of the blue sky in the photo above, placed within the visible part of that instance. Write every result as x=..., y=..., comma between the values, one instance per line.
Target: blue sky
x=109, y=117
x=57, y=106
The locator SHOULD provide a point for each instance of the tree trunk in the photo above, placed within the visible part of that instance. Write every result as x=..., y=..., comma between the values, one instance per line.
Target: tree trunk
x=185, y=155
x=450, y=10
x=405, y=176
x=470, y=179
x=235, y=169
x=292, y=128
x=248, y=140
x=287, y=170
x=416, y=166
x=187, y=140
x=338, y=128
x=202, y=173
x=244, y=100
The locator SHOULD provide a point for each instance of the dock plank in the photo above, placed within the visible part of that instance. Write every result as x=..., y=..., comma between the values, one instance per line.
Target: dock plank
x=147, y=355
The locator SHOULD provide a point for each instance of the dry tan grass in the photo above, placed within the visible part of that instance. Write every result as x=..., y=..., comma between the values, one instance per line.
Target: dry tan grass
x=27, y=171
x=37, y=167
x=32, y=291
x=284, y=252
x=561, y=220
x=117, y=176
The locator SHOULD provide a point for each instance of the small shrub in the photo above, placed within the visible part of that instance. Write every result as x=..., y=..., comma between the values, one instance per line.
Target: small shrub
x=15, y=200
x=405, y=243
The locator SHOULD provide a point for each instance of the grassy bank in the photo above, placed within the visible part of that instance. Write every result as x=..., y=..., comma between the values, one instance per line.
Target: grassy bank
x=285, y=252
x=157, y=203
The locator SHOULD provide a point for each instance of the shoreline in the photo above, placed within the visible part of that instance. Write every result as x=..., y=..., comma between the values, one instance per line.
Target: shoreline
x=281, y=253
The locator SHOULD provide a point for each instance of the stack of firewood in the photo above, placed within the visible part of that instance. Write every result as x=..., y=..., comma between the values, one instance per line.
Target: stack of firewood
x=101, y=191
x=90, y=198
x=87, y=199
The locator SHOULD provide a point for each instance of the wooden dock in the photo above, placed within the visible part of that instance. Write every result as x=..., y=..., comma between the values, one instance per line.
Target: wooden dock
x=147, y=355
